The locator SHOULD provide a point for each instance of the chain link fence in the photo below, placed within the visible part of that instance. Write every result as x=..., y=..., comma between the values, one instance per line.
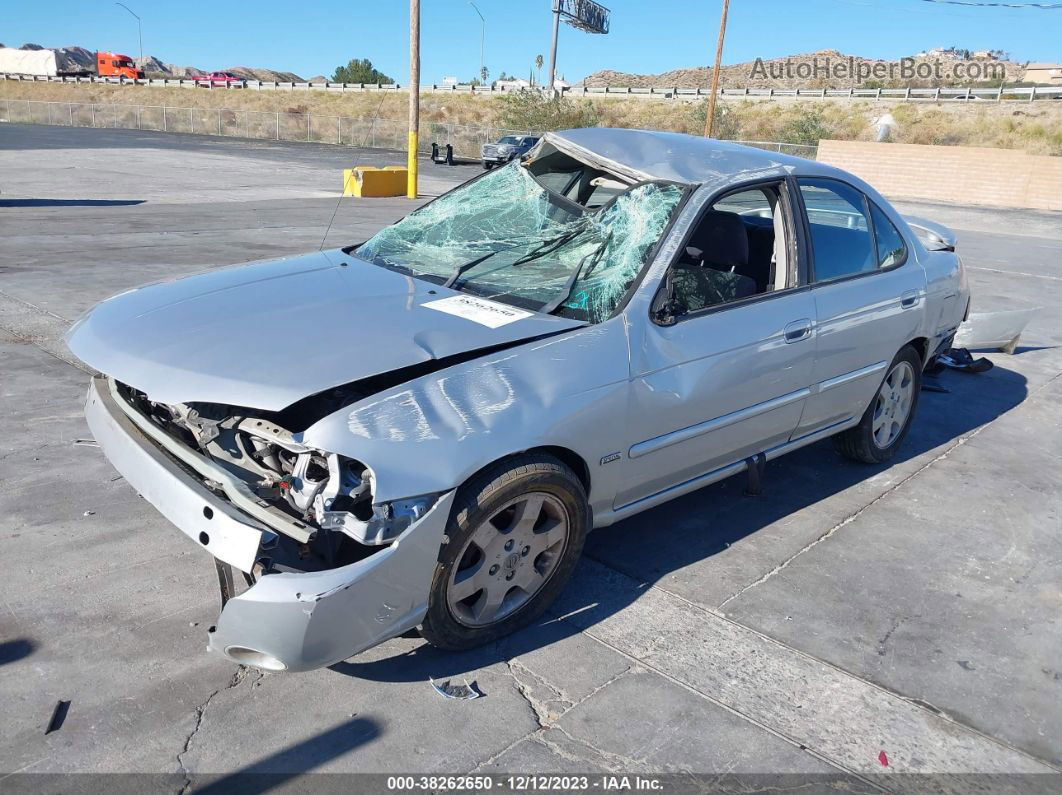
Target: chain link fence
x=281, y=126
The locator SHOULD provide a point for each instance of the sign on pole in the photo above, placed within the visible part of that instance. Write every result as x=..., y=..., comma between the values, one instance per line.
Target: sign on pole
x=585, y=15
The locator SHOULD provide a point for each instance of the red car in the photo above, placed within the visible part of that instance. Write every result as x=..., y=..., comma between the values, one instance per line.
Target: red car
x=215, y=78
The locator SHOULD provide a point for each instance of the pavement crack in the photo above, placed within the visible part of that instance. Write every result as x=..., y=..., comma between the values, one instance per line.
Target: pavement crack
x=609, y=760
x=540, y=708
x=883, y=644
x=852, y=517
x=242, y=672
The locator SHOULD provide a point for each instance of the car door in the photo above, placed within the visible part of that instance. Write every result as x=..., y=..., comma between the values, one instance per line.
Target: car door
x=727, y=380
x=869, y=297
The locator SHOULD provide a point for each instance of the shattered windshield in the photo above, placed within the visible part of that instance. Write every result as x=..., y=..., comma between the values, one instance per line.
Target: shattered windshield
x=507, y=238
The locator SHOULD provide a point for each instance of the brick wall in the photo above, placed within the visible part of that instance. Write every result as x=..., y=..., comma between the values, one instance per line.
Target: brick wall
x=966, y=174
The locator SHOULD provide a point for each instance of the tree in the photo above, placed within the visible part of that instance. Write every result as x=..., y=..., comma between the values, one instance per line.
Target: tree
x=484, y=74
x=538, y=68
x=360, y=70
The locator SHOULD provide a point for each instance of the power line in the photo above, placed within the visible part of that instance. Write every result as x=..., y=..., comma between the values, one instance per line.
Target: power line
x=970, y=3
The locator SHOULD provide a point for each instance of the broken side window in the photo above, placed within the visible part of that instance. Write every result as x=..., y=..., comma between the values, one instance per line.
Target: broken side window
x=505, y=237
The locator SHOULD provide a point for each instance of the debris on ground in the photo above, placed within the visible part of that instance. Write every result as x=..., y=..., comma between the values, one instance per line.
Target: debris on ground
x=86, y=443
x=962, y=359
x=89, y=513
x=466, y=691
x=58, y=716
x=883, y=759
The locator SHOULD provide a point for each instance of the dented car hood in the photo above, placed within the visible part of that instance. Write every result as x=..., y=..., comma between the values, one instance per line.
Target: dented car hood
x=267, y=334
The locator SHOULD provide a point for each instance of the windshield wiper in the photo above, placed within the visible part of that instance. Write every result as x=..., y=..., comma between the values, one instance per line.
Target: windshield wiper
x=455, y=274
x=552, y=306
x=545, y=247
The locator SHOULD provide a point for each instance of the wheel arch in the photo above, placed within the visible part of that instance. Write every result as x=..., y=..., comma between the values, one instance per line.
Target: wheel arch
x=565, y=455
x=921, y=346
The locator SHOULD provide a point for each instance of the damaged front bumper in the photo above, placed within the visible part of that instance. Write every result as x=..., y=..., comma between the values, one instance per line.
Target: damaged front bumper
x=294, y=621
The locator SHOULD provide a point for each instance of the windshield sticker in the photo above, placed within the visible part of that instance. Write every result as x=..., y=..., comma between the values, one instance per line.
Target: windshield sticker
x=486, y=313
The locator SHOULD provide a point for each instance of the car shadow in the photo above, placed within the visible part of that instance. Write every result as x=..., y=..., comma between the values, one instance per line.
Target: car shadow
x=69, y=202
x=275, y=770
x=696, y=526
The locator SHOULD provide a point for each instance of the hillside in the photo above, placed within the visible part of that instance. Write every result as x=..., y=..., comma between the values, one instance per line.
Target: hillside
x=774, y=73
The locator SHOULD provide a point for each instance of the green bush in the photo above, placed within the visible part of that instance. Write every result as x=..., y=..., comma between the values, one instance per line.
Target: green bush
x=807, y=125
x=359, y=70
x=725, y=127
x=535, y=112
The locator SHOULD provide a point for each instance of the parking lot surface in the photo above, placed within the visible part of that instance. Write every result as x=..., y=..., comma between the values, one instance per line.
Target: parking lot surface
x=855, y=620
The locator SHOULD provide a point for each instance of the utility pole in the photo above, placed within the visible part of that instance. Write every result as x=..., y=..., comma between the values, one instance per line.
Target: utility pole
x=482, y=34
x=710, y=121
x=553, y=47
x=414, y=96
x=139, y=32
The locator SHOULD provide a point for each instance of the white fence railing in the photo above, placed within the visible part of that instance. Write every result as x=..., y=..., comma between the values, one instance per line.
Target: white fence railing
x=998, y=94
x=281, y=126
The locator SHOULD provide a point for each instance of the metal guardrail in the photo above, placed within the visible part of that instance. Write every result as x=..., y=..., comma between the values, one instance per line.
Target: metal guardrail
x=999, y=94
x=283, y=126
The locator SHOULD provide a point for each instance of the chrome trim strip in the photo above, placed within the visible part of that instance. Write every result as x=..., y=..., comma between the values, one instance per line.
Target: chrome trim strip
x=830, y=383
x=677, y=490
x=716, y=475
x=693, y=431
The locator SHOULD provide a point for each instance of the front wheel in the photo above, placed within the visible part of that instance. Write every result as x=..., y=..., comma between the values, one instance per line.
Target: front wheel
x=487, y=166
x=514, y=538
x=888, y=418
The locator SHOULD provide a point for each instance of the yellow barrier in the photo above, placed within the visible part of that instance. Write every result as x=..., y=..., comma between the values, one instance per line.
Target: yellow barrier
x=372, y=182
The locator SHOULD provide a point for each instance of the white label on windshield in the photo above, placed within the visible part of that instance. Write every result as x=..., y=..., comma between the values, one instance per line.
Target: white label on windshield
x=478, y=310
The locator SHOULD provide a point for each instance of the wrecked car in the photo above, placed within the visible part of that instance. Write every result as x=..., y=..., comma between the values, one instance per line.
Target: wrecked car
x=419, y=430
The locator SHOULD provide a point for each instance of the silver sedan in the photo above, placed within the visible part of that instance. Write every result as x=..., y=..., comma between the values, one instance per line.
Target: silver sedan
x=418, y=431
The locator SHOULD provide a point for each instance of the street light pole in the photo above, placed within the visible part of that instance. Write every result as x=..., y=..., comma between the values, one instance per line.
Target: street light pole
x=482, y=34
x=709, y=122
x=139, y=32
x=553, y=47
x=414, y=97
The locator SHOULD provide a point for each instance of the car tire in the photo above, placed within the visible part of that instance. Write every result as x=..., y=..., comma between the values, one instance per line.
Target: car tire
x=506, y=556
x=888, y=418
x=488, y=166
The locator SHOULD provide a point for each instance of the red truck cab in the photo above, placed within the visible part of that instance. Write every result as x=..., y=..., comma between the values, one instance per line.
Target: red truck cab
x=111, y=64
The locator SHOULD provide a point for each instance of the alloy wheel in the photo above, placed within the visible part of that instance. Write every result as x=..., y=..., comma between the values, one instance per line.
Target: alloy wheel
x=508, y=559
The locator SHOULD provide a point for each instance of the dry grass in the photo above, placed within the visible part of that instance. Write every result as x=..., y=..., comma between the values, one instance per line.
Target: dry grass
x=1034, y=127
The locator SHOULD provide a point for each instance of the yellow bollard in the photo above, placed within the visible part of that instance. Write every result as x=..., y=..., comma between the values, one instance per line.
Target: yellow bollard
x=371, y=182
x=411, y=166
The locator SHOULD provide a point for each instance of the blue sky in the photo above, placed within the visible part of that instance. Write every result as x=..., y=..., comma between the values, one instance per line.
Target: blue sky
x=648, y=36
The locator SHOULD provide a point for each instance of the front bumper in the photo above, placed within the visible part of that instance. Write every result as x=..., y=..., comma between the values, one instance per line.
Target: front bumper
x=497, y=157
x=284, y=621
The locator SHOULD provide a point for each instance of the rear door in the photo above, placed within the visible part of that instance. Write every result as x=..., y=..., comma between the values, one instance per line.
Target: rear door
x=869, y=298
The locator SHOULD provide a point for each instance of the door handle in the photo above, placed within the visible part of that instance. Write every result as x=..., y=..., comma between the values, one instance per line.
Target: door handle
x=909, y=299
x=797, y=330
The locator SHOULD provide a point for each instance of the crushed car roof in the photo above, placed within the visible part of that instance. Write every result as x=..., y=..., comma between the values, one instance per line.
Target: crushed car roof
x=689, y=159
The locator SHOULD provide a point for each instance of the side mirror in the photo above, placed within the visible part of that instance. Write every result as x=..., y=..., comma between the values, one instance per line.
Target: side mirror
x=667, y=309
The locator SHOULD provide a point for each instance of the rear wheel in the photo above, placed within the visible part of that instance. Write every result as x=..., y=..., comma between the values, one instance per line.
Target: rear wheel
x=888, y=418
x=513, y=541
x=487, y=166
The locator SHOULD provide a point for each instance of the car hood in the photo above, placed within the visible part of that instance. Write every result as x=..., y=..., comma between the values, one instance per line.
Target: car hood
x=267, y=334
